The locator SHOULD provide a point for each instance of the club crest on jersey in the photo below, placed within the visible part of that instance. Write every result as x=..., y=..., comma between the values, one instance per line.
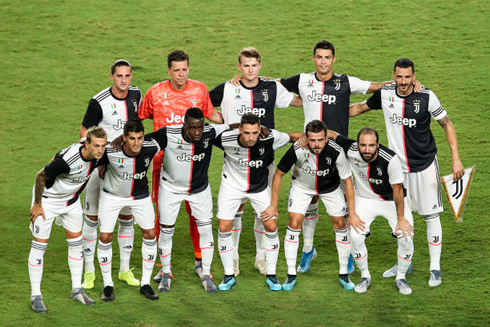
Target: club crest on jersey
x=193, y=101
x=328, y=160
x=337, y=84
x=261, y=151
x=205, y=143
x=135, y=105
x=147, y=162
x=265, y=94
x=416, y=104
x=379, y=170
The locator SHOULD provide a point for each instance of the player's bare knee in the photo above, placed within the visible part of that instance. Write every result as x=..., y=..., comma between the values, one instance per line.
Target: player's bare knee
x=93, y=218
x=148, y=234
x=225, y=226
x=125, y=217
x=70, y=234
x=295, y=220
x=338, y=222
x=105, y=237
x=270, y=226
x=41, y=240
x=166, y=226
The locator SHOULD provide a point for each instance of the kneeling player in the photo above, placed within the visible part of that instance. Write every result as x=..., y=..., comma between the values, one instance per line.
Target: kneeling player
x=317, y=171
x=126, y=185
x=58, y=186
x=245, y=176
x=379, y=192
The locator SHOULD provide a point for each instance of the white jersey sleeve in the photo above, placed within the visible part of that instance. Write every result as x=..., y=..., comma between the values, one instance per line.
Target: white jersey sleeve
x=358, y=86
x=343, y=166
x=280, y=139
x=284, y=97
x=395, y=171
x=435, y=108
x=220, y=128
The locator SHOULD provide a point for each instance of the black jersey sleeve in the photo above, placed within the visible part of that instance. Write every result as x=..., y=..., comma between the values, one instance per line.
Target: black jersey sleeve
x=218, y=141
x=344, y=142
x=216, y=95
x=291, y=83
x=93, y=115
x=56, y=167
x=159, y=136
x=288, y=160
x=103, y=161
x=374, y=102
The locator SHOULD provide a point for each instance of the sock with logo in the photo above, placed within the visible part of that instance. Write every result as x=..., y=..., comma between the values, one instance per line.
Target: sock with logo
x=342, y=241
x=309, y=226
x=148, y=254
x=89, y=235
x=165, y=247
x=207, y=244
x=35, y=264
x=225, y=246
x=104, y=254
x=125, y=238
x=291, y=245
x=271, y=246
x=75, y=261
x=405, y=254
x=434, y=239
x=359, y=252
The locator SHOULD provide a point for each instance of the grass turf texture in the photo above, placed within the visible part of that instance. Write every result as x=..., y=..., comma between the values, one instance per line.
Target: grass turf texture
x=56, y=55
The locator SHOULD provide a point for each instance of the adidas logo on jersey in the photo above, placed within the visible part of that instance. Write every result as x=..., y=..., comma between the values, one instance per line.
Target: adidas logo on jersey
x=166, y=103
x=114, y=113
x=391, y=106
x=121, y=166
x=238, y=96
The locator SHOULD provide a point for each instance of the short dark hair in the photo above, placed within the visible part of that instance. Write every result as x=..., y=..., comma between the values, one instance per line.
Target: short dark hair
x=250, y=118
x=133, y=125
x=118, y=63
x=193, y=112
x=368, y=130
x=404, y=63
x=315, y=126
x=323, y=44
x=249, y=52
x=177, y=55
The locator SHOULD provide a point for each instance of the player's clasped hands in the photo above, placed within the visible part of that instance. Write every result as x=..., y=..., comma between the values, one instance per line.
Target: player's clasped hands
x=268, y=213
x=404, y=227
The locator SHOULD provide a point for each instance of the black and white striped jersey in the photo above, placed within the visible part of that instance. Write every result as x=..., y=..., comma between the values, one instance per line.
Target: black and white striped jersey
x=407, y=120
x=67, y=174
x=327, y=101
x=320, y=173
x=111, y=113
x=126, y=175
x=373, y=179
x=185, y=165
x=235, y=101
x=246, y=168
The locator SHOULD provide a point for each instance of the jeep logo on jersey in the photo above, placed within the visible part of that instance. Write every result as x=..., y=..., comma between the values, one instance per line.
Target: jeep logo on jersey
x=247, y=110
x=319, y=173
x=133, y=176
x=371, y=180
x=251, y=163
x=175, y=119
x=119, y=125
x=315, y=96
x=80, y=179
x=410, y=122
x=188, y=157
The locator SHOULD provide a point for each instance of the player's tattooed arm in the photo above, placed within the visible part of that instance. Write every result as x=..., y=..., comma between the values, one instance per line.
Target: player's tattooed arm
x=296, y=102
x=358, y=108
x=452, y=140
x=37, y=209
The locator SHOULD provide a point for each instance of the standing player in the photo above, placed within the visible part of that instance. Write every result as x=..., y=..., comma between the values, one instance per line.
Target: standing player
x=110, y=109
x=126, y=185
x=379, y=192
x=251, y=94
x=166, y=103
x=407, y=117
x=245, y=176
x=187, y=154
x=317, y=171
x=55, y=195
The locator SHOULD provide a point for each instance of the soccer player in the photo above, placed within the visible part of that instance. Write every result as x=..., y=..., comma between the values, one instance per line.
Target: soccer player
x=251, y=94
x=110, y=109
x=187, y=154
x=407, y=117
x=126, y=186
x=317, y=170
x=379, y=192
x=166, y=103
x=245, y=176
x=55, y=195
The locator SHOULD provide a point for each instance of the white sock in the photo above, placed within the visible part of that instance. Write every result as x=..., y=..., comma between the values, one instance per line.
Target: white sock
x=148, y=254
x=206, y=243
x=434, y=238
x=360, y=253
x=271, y=246
x=104, y=254
x=405, y=254
x=225, y=246
x=75, y=261
x=342, y=241
x=309, y=226
x=291, y=245
x=89, y=234
x=35, y=264
x=237, y=229
x=125, y=238
x=165, y=247
x=259, y=237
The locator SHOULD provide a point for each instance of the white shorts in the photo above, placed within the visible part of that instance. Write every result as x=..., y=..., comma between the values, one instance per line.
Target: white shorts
x=272, y=170
x=92, y=193
x=169, y=205
x=229, y=199
x=69, y=217
x=110, y=205
x=424, y=188
x=368, y=209
x=300, y=198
